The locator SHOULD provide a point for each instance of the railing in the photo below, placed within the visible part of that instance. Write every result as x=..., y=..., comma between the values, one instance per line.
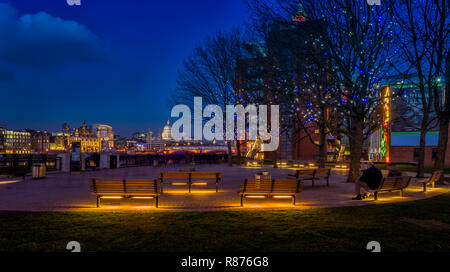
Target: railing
x=21, y=164
x=170, y=159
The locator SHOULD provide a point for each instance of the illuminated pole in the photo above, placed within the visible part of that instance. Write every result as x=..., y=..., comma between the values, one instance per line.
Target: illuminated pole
x=386, y=127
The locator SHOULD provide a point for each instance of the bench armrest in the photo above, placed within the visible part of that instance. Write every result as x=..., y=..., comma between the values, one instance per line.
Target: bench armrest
x=423, y=180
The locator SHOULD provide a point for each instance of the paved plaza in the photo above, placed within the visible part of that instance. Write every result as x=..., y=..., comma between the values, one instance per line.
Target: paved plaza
x=70, y=192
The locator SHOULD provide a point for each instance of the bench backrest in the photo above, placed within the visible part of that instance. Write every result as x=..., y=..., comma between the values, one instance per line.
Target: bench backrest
x=274, y=186
x=173, y=175
x=120, y=187
x=206, y=175
x=394, y=183
x=305, y=172
x=436, y=176
x=186, y=175
x=323, y=171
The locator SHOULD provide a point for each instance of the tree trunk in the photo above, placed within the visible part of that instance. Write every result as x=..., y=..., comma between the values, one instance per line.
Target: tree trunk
x=444, y=119
x=356, y=145
x=322, y=148
x=439, y=162
x=230, y=154
x=421, y=161
x=238, y=151
x=274, y=154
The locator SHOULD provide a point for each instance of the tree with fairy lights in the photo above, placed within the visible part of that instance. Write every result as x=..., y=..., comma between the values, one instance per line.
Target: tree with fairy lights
x=314, y=108
x=308, y=90
x=296, y=76
x=358, y=40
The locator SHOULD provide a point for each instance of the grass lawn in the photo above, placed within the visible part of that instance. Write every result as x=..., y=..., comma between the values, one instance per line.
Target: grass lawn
x=422, y=225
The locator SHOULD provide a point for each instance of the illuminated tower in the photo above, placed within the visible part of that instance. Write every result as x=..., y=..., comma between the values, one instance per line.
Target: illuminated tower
x=301, y=15
x=386, y=127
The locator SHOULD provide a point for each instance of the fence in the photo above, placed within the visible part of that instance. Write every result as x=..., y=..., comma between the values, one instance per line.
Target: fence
x=19, y=165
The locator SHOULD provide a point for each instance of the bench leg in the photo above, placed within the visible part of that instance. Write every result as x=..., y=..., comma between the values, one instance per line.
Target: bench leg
x=424, y=187
x=98, y=201
x=328, y=182
x=375, y=195
x=189, y=187
x=217, y=187
x=161, y=187
x=156, y=202
x=242, y=200
x=401, y=192
x=293, y=200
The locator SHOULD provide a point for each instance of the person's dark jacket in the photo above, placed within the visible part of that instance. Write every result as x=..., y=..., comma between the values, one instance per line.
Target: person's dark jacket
x=372, y=177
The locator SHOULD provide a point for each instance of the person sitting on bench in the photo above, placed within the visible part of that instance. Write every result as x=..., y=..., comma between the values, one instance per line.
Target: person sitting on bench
x=369, y=180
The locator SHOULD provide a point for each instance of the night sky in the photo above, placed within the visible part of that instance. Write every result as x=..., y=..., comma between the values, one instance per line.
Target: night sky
x=112, y=62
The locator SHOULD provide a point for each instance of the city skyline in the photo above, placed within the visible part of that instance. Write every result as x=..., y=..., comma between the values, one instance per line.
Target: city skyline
x=75, y=125
x=83, y=68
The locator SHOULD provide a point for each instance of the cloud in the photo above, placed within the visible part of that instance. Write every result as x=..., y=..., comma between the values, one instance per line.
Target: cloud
x=41, y=40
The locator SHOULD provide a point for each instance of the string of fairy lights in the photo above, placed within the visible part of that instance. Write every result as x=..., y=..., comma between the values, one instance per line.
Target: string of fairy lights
x=343, y=79
x=343, y=70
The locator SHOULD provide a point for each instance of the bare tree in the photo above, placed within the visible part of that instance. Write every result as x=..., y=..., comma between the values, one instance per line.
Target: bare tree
x=439, y=26
x=422, y=41
x=443, y=111
x=210, y=72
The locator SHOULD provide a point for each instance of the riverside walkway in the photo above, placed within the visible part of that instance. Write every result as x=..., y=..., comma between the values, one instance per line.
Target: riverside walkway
x=70, y=192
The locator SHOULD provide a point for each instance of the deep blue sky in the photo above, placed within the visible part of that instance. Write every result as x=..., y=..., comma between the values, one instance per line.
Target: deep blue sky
x=113, y=62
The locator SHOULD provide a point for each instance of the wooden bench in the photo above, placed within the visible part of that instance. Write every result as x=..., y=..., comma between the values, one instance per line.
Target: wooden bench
x=275, y=188
x=305, y=174
x=313, y=174
x=435, y=177
x=322, y=173
x=189, y=178
x=389, y=184
x=111, y=188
